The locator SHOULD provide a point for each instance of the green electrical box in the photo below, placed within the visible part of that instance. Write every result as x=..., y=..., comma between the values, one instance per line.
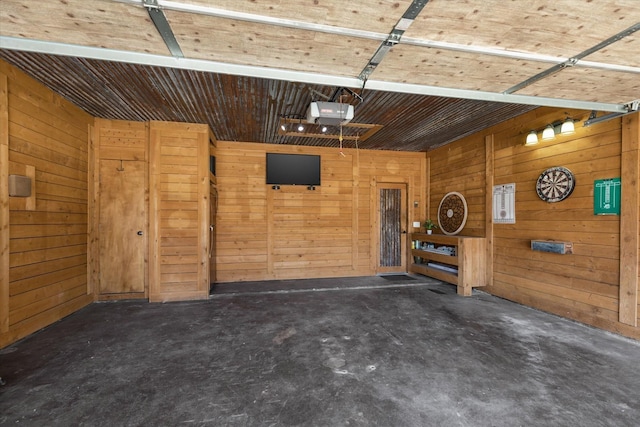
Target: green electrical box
x=606, y=196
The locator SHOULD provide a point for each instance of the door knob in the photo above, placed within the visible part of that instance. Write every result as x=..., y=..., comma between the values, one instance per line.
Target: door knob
x=139, y=233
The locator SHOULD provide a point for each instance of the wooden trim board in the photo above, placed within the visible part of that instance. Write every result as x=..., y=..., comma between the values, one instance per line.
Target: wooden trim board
x=489, y=146
x=4, y=204
x=630, y=220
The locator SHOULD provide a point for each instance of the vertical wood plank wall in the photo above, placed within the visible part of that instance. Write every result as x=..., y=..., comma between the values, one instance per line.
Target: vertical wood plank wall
x=585, y=285
x=299, y=233
x=460, y=167
x=47, y=262
x=179, y=211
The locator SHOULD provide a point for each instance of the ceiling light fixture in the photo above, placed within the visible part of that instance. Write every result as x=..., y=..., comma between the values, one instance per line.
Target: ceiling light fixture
x=324, y=129
x=354, y=131
x=300, y=127
x=532, y=138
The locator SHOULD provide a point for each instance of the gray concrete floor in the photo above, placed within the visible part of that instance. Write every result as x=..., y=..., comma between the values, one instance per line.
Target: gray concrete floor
x=350, y=352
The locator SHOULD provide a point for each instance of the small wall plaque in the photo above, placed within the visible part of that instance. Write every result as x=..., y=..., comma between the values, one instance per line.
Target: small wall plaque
x=606, y=196
x=552, y=246
x=504, y=204
x=19, y=186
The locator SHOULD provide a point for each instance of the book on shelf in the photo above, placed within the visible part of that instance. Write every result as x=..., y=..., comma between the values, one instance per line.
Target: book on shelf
x=443, y=250
x=442, y=267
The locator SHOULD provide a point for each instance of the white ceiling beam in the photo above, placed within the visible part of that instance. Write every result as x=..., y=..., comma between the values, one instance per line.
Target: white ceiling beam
x=65, y=49
x=477, y=95
x=261, y=19
x=511, y=54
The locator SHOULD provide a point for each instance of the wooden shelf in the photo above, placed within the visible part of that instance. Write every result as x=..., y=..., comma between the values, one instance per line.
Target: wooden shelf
x=434, y=256
x=469, y=258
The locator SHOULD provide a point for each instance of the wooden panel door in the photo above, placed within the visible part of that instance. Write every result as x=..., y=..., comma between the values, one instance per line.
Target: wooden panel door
x=122, y=228
x=392, y=228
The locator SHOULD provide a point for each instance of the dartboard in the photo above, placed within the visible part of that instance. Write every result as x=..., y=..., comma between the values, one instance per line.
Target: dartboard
x=452, y=213
x=555, y=184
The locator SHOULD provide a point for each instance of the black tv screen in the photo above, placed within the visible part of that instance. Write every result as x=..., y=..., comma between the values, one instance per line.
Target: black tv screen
x=293, y=169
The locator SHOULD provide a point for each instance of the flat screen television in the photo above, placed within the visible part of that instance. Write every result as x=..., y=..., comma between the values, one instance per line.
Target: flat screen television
x=293, y=169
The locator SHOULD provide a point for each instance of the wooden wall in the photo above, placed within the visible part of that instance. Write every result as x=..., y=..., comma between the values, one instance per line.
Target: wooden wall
x=299, y=233
x=149, y=234
x=43, y=249
x=630, y=222
x=179, y=211
x=586, y=285
x=445, y=176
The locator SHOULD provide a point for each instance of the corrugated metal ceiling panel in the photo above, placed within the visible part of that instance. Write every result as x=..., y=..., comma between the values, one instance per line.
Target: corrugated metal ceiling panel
x=248, y=109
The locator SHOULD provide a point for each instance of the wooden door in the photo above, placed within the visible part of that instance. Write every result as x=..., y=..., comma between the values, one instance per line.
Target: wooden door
x=392, y=228
x=122, y=222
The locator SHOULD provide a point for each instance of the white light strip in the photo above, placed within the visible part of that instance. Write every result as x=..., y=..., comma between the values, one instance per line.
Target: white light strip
x=290, y=75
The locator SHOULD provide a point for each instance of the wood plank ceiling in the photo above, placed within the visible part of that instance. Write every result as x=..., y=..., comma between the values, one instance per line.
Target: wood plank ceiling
x=429, y=72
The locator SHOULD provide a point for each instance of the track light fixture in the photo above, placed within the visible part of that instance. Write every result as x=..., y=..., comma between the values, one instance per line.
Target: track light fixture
x=297, y=127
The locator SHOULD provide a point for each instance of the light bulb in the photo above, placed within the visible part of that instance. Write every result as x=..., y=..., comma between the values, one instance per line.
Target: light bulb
x=300, y=128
